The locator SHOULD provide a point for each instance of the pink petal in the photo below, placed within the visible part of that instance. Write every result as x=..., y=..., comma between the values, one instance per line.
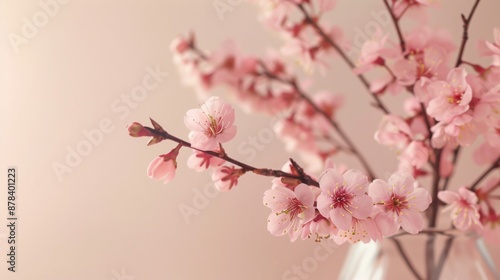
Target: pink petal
x=420, y=199
x=227, y=134
x=363, y=207
x=329, y=179
x=448, y=197
x=323, y=204
x=196, y=120
x=355, y=181
x=379, y=190
x=401, y=183
x=278, y=224
x=412, y=222
x=341, y=218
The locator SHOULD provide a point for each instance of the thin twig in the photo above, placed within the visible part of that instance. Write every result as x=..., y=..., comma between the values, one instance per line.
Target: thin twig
x=406, y=259
x=494, y=166
x=306, y=179
x=395, y=20
x=465, y=36
x=336, y=126
x=344, y=56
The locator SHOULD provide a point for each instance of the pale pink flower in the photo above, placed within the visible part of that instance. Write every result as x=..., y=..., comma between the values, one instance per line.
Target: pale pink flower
x=364, y=230
x=164, y=166
x=463, y=206
x=290, y=210
x=393, y=131
x=343, y=196
x=401, y=199
x=226, y=177
x=492, y=48
x=416, y=153
x=373, y=53
x=451, y=97
x=320, y=228
x=200, y=161
x=425, y=65
x=462, y=130
x=210, y=125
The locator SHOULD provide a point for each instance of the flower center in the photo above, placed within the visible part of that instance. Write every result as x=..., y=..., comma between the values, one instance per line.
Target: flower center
x=341, y=199
x=397, y=204
x=294, y=208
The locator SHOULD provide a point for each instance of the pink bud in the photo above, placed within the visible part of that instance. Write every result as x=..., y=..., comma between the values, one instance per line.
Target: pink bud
x=164, y=166
x=137, y=130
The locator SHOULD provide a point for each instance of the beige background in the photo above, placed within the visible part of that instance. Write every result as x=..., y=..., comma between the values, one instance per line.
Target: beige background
x=106, y=219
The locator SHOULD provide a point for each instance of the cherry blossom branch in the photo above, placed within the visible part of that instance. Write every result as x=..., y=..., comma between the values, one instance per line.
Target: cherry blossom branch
x=456, y=153
x=306, y=179
x=465, y=36
x=344, y=56
x=494, y=166
x=343, y=135
x=407, y=260
x=395, y=20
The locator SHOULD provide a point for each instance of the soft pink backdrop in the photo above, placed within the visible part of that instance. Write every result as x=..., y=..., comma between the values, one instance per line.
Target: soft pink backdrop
x=106, y=217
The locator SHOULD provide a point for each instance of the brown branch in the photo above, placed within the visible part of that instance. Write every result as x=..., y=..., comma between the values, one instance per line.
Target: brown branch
x=407, y=260
x=343, y=135
x=456, y=153
x=395, y=20
x=306, y=179
x=344, y=56
x=465, y=36
x=494, y=166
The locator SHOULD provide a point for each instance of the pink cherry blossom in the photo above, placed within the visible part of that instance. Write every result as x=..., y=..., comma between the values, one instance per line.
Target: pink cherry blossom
x=451, y=98
x=364, y=230
x=401, y=199
x=290, y=210
x=163, y=167
x=463, y=207
x=462, y=130
x=320, y=228
x=343, y=196
x=416, y=153
x=393, y=131
x=200, y=161
x=226, y=177
x=210, y=125
x=372, y=53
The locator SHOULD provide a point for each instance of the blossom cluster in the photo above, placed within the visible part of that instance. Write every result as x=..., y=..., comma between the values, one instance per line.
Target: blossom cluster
x=450, y=103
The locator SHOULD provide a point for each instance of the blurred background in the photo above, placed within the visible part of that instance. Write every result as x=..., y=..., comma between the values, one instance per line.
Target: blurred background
x=65, y=92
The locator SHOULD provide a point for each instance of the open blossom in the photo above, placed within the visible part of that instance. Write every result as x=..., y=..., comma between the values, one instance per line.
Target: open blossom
x=416, y=154
x=462, y=130
x=163, y=167
x=210, y=125
x=200, y=161
x=343, y=196
x=290, y=210
x=364, y=230
x=372, y=53
x=226, y=177
x=451, y=97
x=393, y=131
x=400, y=199
x=463, y=207
x=320, y=228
